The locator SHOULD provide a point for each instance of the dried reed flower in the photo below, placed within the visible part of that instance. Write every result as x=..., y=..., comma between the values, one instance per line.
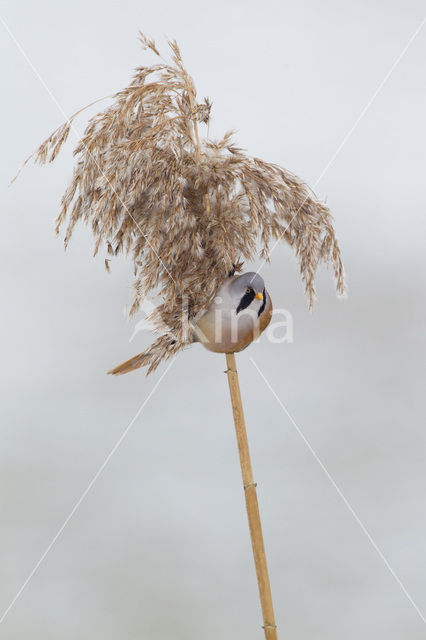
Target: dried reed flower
x=188, y=211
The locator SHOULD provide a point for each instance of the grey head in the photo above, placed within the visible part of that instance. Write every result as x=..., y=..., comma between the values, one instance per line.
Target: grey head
x=249, y=292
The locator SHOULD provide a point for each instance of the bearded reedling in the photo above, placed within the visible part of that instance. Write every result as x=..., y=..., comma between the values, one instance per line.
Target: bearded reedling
x=240, y=311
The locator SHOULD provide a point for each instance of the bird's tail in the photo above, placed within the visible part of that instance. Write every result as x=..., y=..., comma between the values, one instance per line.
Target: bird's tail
x=129, y=365
x=162, y=349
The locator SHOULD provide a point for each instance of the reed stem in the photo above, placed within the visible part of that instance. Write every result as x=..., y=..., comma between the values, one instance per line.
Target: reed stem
x=252, y=506
x=255, y=525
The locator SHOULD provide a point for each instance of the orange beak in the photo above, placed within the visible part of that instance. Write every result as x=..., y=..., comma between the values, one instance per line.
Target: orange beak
x=259, y=296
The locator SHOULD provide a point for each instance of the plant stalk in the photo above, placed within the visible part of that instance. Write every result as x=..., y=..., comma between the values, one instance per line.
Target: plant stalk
x=252, y=506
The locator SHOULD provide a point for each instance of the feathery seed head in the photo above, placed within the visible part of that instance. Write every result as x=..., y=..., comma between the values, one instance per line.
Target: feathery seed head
x=187, y=210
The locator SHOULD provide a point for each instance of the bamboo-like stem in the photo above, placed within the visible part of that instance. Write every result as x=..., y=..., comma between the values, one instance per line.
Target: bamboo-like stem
x=255, y=525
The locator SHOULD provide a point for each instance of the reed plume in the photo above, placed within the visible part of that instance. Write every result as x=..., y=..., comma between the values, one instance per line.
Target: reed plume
x=188, y=211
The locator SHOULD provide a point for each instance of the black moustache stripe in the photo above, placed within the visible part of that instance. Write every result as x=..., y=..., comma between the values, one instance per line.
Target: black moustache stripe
x=262, y=308
x=246, y=300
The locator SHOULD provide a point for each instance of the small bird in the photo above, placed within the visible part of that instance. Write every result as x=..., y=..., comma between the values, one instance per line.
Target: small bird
x=240, y=311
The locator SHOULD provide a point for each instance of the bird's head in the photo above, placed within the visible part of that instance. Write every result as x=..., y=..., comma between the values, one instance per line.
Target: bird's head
x=249, y=291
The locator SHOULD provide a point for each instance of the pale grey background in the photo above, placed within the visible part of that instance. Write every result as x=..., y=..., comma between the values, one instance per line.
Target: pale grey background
x=160, y=549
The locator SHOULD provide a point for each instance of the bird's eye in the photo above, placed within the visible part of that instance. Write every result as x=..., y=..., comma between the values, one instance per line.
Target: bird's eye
x=247, y=289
